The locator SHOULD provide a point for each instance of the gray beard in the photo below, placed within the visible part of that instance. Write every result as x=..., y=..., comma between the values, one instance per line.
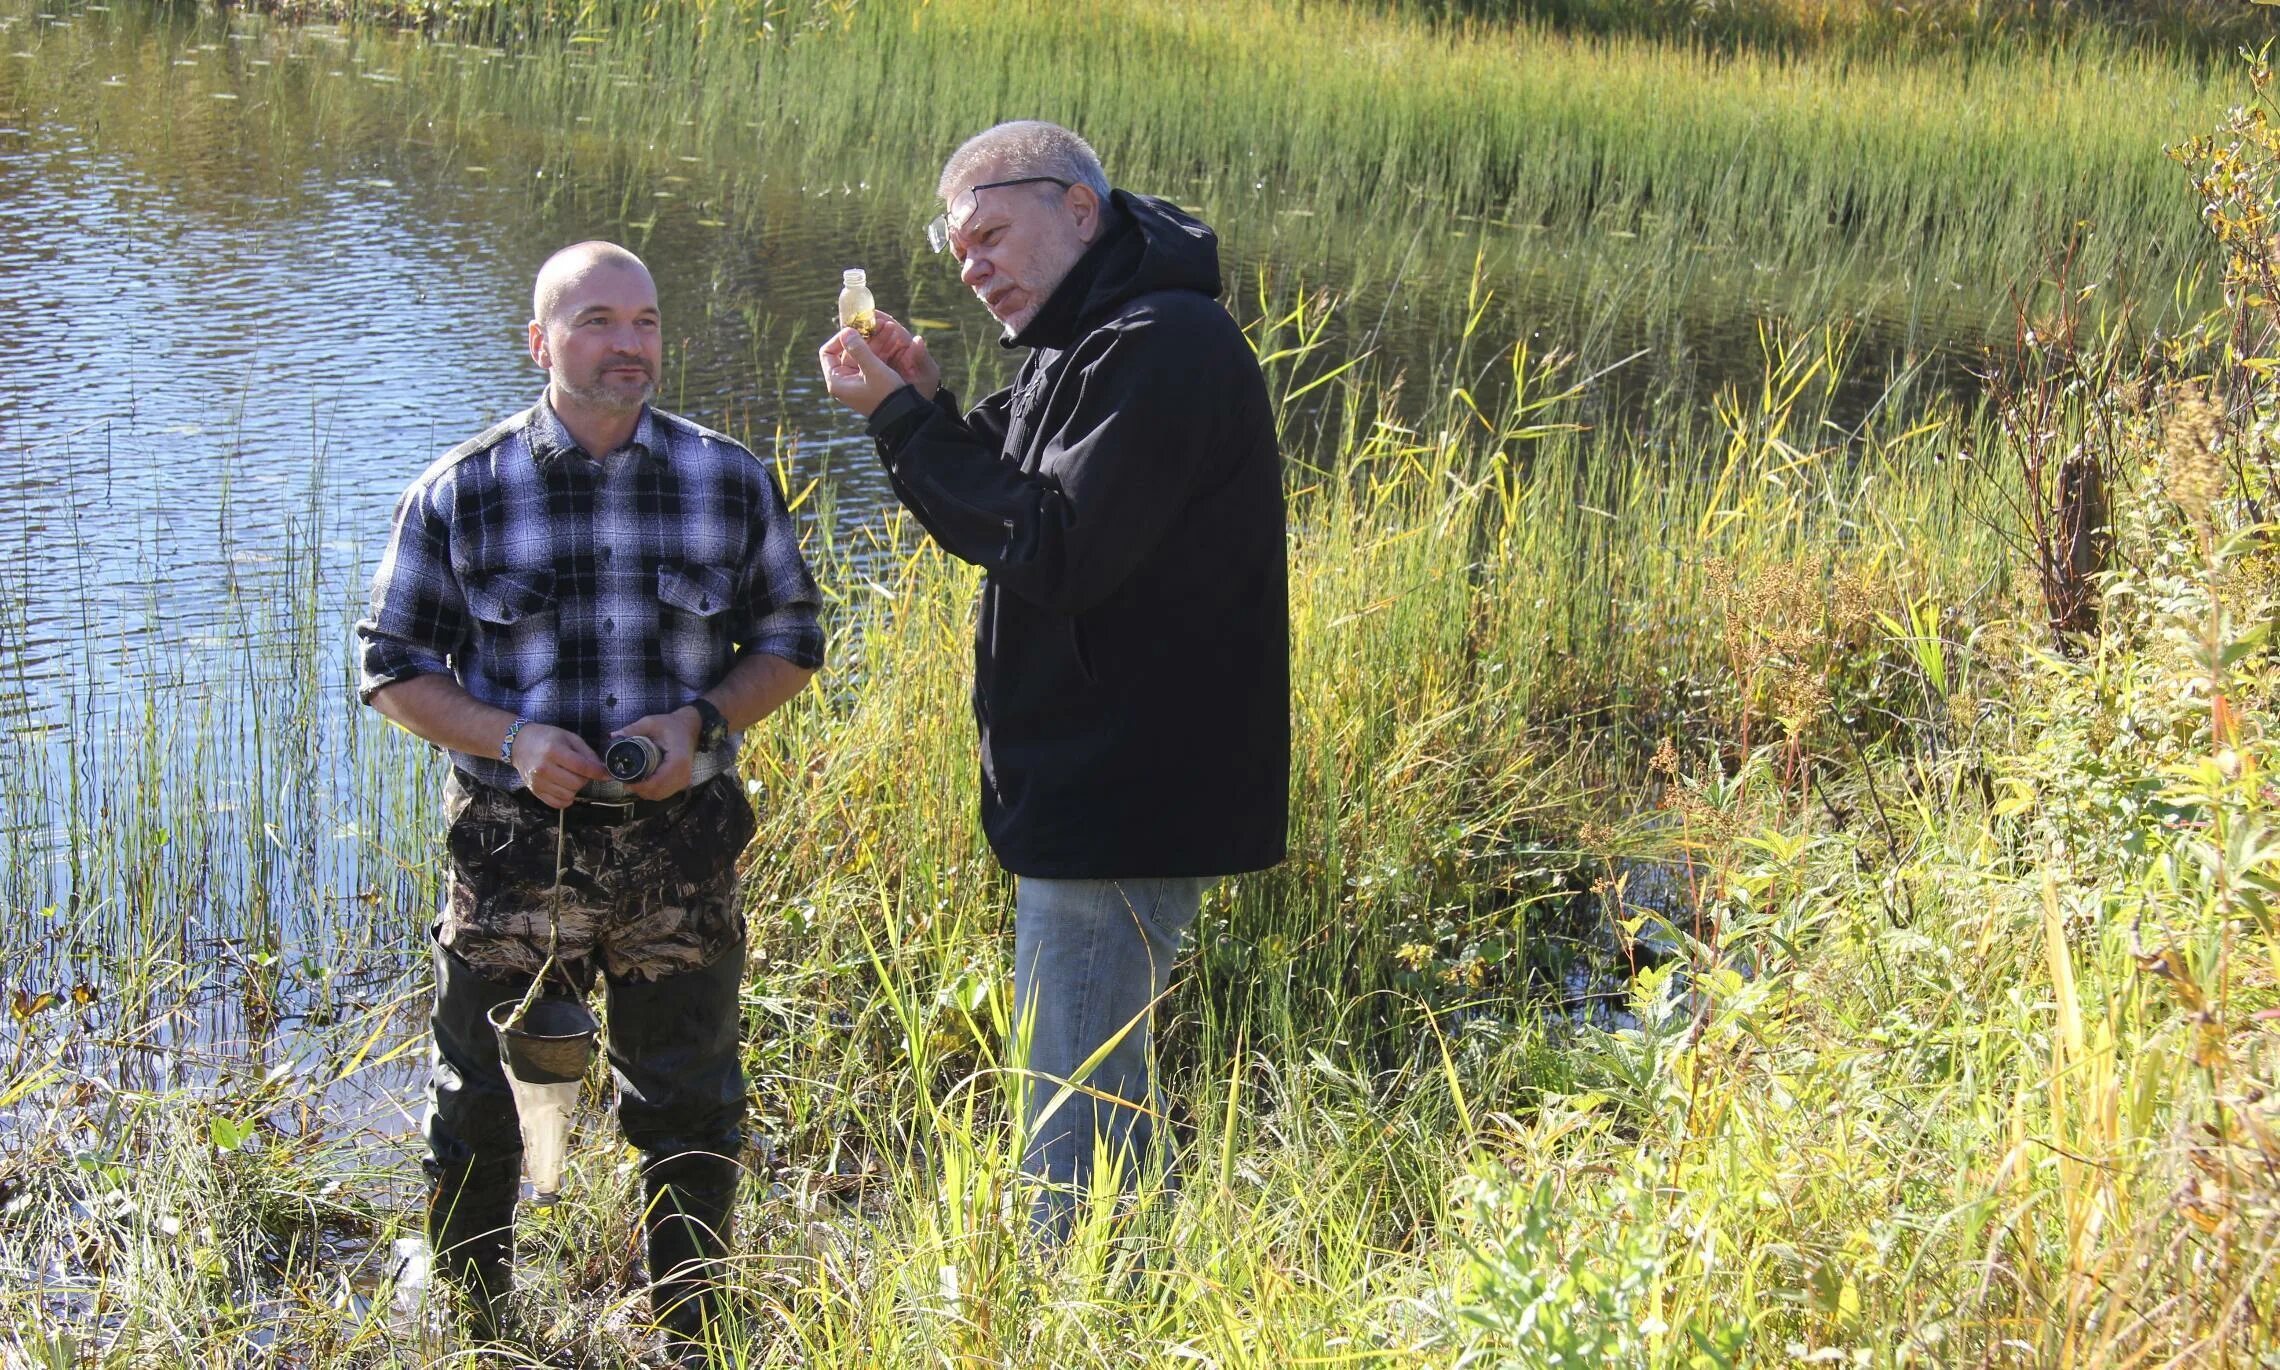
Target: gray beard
x=606, y=401
x=1014, y=325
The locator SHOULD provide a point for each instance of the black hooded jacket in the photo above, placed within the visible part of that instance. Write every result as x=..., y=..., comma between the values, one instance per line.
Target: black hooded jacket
x=1124, y=495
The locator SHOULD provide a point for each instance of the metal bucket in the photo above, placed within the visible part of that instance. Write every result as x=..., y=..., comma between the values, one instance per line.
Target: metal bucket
x=546, y=1050
x=552, y=1044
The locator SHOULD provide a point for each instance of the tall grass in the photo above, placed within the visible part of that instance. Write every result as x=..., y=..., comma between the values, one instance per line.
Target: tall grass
x=1956, y=167
x=1947, y=960
x=2199, y=27
x=1964, y=166
x=1894, y=1085
x=1349, y=1030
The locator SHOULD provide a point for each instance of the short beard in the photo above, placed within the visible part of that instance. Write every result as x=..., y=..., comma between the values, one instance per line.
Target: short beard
x=1020, y=320
x=1040, y=298
x=603, y=400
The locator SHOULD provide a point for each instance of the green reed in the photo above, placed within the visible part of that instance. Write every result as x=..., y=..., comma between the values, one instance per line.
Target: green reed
x=1869, y=1119
x=2199, y=27
x=1909, y=190
x=1964, y=165
x=1459, y=690
x=1496, y=621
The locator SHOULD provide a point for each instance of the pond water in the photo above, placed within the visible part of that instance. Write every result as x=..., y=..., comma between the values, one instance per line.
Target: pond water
x=258, y=304
x=266, y=273
x=263, y=288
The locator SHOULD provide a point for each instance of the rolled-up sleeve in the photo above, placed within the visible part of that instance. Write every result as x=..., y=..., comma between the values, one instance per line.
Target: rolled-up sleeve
x=778, y=601
x=417, y=618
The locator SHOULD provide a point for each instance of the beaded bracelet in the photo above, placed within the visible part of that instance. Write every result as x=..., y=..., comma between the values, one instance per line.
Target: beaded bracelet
x=507, y=743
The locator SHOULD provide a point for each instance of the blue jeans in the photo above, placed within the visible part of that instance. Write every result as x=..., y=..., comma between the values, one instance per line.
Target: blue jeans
x=1090, y=958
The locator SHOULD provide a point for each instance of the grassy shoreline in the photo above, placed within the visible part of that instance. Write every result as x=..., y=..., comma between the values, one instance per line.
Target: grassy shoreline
x=1889, y=1022
x=1443, y=753
x=1963, y=164
x=1950, y=967
x=1948, y=168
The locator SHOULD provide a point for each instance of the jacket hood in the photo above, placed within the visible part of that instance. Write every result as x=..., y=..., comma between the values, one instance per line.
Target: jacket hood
x=1149, y=244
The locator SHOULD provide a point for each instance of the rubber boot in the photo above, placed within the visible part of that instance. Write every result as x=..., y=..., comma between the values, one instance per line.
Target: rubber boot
x=689, y=1200
x=471, y=1231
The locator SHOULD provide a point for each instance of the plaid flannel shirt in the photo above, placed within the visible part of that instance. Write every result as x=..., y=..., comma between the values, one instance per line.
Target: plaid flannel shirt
x=583, y=593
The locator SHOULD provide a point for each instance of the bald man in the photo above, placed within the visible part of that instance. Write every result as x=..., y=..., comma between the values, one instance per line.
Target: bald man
x=592, y=568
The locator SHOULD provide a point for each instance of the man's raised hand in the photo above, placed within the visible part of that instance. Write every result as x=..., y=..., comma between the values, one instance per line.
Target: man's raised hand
x=861, y=374
x=906, y=352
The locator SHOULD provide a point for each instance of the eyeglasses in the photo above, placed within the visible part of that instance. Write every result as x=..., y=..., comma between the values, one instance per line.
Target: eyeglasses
x=941, y=226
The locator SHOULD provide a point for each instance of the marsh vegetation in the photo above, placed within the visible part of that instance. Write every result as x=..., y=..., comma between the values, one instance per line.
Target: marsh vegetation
x=1725, y=925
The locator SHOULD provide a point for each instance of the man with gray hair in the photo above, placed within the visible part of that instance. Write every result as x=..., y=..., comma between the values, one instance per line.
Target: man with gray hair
x=1131, y=658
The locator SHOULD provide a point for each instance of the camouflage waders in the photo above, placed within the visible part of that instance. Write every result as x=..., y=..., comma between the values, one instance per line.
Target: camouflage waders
x=649, y=906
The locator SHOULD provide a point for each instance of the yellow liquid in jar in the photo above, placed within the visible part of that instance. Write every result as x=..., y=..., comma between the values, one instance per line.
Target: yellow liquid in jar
x=857, y=311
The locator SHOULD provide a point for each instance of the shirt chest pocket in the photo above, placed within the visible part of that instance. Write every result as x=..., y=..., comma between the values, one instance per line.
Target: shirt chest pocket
x=693, y=622
x=517, y=627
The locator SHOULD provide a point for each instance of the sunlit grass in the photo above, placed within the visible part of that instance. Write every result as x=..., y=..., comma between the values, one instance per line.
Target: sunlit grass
x=1620, y=183
x=1971, y=166
x=1941, y=958
x=1463, y=701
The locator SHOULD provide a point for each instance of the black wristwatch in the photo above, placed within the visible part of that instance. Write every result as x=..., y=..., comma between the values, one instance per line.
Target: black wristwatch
x=712, y=725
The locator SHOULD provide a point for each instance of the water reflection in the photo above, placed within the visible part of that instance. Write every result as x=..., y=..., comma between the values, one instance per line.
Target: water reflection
x=267, y=274
x=265, y=286
x=264, y=280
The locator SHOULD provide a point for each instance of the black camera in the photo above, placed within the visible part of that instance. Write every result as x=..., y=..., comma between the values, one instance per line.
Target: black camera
x=631, y=760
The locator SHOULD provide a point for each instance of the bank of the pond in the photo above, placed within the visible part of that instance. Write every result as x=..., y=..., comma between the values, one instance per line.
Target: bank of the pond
x=1951, y=1038
x=1471, y=680
x=1909, y=1028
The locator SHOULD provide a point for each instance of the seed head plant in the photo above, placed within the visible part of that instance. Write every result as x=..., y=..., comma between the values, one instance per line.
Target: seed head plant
x=2193, y=474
